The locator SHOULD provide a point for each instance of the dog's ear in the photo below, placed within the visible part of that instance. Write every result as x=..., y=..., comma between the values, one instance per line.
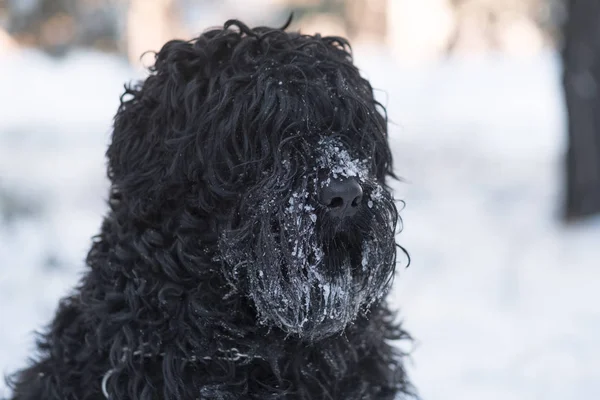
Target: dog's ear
x=149, y=134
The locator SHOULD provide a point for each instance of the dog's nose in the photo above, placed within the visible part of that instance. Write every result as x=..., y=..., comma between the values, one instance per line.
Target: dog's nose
x=341, y=197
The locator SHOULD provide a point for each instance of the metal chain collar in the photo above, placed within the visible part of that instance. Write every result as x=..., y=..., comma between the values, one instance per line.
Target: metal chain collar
x=233, y=356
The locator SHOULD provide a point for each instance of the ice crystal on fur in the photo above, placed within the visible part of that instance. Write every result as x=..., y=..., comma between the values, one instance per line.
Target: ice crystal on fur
x=333, y=156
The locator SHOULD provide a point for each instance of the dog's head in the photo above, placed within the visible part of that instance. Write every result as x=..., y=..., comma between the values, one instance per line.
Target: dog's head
x=269, y=149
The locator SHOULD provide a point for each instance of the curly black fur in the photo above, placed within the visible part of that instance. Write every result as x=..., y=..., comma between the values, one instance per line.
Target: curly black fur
x=217, y=273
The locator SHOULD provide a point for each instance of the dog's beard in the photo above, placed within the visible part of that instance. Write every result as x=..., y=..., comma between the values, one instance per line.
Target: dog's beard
x=307, y=273
x=309, y=276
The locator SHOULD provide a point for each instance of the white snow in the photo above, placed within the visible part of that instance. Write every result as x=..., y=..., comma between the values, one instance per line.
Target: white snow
x=54, y=126
x=501, y=297
x=337, y=159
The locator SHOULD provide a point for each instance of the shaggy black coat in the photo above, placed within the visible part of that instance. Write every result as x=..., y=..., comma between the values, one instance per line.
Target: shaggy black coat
x=217, y=273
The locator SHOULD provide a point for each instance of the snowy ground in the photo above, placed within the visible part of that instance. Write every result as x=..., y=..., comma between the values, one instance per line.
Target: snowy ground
x=502, y=298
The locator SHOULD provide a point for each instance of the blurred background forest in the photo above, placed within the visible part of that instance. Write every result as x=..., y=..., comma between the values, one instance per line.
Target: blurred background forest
x=494, y=126
x=424, y=29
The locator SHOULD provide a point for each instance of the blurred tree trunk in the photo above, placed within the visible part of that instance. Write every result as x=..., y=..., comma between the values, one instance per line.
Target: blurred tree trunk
x=366, y=20
x=581, y=77
x=7, y=43
x=419, y=30
x=150, y=24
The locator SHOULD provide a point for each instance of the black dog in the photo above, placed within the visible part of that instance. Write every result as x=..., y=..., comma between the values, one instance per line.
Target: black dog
x=251, y=235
